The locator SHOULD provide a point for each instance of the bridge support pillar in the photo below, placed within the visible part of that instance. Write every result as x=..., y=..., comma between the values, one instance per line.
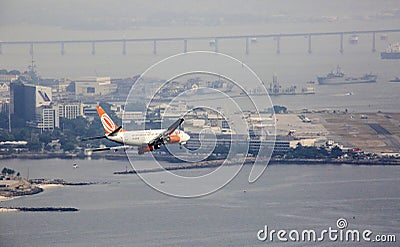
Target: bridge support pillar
x=31, y=49
x=373, y=42
x=185, y=46
x=155, y=47
x=309, y=44
x=247, y=46
x=341, y=43
x=93, y=48
x=278, y=44
x=124, y=47
x=62, y=48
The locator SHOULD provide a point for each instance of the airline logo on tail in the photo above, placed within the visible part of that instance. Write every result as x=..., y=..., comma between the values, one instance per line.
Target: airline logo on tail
x=108, y=124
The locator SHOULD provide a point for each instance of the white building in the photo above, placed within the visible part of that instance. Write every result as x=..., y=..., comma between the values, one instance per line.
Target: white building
x=4, y=88
x=8, y=78
x=94, y=86
x=69, y=110
x=47, y=118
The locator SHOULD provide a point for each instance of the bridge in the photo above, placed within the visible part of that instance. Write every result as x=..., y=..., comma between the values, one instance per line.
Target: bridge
x=247, y=39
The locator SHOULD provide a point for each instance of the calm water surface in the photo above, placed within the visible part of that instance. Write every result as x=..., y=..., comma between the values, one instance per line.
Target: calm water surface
x=126, y=212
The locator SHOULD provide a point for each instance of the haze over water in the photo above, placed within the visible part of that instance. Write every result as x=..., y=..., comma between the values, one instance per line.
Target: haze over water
x=124, y=211
x=293, y=66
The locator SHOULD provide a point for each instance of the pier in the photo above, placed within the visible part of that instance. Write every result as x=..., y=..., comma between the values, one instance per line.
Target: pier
x=185, y=40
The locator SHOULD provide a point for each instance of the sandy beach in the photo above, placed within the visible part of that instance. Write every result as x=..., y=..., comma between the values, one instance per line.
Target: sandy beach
x=5, y=198
x=6, y=210
x=48, y=186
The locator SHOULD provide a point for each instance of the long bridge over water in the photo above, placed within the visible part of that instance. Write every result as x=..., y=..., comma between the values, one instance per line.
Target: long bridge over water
x=247, y=39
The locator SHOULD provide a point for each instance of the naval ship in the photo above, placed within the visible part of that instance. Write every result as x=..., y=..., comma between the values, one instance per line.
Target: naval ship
x=338, y=77
x=392, y=52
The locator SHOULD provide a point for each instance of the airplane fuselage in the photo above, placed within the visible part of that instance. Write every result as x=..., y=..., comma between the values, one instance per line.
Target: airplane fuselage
x=142, y=137
x=145, y=140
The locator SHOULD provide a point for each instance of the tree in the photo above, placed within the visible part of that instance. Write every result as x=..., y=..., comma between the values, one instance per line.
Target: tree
x=14, y=72
x=336, y=152
x=7, y=171
x=305, y=152
x=280, y=109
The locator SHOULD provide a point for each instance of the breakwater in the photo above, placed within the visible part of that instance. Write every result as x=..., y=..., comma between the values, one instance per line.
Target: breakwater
x=251, y=160
x=39, y=209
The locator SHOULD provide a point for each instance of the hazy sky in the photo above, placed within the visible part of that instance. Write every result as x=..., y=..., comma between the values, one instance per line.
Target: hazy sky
x=120, y=14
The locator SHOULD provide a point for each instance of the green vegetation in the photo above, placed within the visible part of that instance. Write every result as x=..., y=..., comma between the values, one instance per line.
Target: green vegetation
x=6, y=171
x=302, y=152
x=280, y=109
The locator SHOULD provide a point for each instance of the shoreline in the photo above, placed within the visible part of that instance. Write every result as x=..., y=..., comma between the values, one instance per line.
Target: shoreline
x=40, y=187
x=6, y=198
x=49, y=186
x=168, y=158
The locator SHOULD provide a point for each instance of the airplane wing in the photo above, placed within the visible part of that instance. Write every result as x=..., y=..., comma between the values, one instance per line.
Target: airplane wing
x=111, y=148
x=93, y=138
x=115, y=132
x=163, y=137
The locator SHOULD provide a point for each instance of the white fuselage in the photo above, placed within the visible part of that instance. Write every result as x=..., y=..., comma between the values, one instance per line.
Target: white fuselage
x=143, y=137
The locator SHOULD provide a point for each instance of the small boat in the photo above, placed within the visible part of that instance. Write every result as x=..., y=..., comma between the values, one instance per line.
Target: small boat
x=396, y=79
x=212, y=42
x=353, y=39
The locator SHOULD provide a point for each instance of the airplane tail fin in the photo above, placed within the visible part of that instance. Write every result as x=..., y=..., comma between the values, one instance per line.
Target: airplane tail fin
x=109, y=126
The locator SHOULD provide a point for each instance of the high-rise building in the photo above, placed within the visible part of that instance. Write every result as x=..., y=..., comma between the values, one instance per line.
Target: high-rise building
x=25, y=99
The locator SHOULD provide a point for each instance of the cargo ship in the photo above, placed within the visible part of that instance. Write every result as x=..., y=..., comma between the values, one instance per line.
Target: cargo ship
x=392, y=52
x=338, y=77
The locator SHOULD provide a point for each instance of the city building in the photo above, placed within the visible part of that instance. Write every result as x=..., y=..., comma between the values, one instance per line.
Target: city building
x=8, y=78
x=27, y=102
x=4, y=105
x=69, y=109
x=94, y=86
x=47, y=118
x=22, y=101
x=4, y=88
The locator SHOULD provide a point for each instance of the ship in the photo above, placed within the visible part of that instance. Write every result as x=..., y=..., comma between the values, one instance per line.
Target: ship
x=338, y=77
x=353, y=39
x=396, y=79
x=392, y=52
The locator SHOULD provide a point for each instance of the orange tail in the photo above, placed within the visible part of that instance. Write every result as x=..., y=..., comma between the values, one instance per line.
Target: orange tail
x=108, y=124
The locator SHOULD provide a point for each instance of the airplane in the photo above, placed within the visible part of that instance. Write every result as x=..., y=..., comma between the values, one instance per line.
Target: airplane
x=144, y=140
